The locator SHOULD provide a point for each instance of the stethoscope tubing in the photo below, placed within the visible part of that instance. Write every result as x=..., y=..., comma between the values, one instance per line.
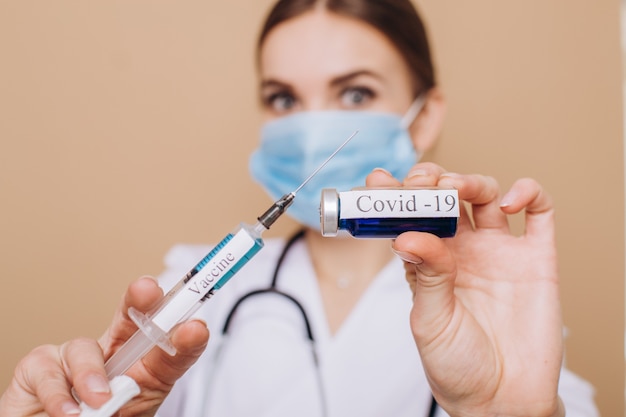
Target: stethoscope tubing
x=272, y=289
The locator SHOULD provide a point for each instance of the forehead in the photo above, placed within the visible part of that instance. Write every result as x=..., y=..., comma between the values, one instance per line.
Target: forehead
x=321, y=45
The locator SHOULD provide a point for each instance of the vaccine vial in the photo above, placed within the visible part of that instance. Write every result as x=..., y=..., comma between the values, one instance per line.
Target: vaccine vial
x=388, y=212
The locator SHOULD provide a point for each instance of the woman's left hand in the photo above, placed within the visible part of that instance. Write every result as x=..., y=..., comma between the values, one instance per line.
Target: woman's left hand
x=486, y=313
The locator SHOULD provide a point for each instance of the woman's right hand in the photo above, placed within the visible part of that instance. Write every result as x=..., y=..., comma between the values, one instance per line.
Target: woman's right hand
x=43, y=379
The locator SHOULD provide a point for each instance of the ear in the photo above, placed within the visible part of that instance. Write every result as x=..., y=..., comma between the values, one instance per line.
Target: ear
x=426, y=128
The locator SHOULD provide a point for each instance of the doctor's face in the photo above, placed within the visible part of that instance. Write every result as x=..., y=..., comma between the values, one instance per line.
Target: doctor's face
x=324, y=61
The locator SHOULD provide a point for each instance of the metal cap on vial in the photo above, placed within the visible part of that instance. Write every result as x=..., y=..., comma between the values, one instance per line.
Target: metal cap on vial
x=329, y=212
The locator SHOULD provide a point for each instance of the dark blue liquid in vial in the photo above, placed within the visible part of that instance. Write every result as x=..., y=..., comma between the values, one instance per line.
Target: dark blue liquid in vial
x=392, y=227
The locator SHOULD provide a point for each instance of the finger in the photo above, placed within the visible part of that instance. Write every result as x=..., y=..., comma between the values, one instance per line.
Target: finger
x=143, y=294
x=380, y=177
x=527, y=194
x=452, y=180
x=41, y=375
x=190, y=339
x=424, y=174
x=431, y=273
x=482, y=193
x=84, y=363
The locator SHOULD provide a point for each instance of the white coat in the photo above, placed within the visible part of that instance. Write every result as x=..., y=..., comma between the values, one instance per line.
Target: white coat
x=369, y=368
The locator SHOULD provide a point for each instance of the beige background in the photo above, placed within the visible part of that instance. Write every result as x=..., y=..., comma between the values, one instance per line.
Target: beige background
x=125, y=128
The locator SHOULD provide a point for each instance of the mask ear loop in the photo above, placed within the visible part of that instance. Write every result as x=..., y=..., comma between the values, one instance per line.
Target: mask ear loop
x=411, y=114
x=414, y=109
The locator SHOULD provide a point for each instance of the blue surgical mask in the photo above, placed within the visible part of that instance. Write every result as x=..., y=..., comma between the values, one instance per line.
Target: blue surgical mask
x=292, y=147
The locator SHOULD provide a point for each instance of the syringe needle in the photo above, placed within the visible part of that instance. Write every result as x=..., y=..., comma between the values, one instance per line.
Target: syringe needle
x=277, y=209
x=325, y=162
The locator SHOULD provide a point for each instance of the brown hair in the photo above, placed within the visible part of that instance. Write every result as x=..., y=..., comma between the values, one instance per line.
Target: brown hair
x=396, y=19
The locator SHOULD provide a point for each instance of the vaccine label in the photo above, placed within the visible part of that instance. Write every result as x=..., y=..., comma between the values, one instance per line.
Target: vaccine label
x=216, y=267
x=399, y=203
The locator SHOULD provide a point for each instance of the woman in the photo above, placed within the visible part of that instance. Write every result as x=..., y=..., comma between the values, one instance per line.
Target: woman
x=486, y=321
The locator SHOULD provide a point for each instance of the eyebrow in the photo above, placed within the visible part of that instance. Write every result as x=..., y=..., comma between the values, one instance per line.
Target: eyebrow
x=339, y=80
x=274, y=83
x=343, y=79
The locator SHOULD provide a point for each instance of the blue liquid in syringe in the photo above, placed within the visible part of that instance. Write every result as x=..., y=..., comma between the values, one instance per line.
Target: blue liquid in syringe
x=222, y=264
x=392, y=227
x=258, y=244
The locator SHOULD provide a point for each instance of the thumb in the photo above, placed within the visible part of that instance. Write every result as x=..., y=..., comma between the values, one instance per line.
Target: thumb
x=430, y=272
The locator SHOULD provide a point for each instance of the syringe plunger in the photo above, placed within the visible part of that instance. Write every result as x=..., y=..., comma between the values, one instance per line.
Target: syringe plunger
x=140, y=343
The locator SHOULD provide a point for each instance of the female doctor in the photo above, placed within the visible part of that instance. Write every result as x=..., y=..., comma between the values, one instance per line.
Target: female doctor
x=316, y=326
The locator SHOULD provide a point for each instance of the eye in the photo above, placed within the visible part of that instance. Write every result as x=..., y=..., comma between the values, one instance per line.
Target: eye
x=280, y=102
x=356, y=96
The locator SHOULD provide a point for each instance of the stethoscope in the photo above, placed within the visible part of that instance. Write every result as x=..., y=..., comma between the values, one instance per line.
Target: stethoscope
x=272, y=289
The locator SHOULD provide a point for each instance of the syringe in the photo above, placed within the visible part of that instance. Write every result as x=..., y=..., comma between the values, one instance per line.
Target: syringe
x=199, y=284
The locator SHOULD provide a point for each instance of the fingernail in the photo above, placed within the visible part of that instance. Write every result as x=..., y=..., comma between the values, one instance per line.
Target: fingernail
x=70, y=409
x=507, y=200
x=408, y=257
x=97, y=384
x=382, y=170
x=450, y=175
x=151, y=278
x=416, y=173
x=202, y=322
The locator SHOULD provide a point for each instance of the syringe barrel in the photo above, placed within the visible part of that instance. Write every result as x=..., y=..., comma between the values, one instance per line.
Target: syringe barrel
x=208, y=276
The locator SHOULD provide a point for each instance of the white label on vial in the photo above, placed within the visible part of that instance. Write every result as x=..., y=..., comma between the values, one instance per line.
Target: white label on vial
x=205, y=279
x=393, y=203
